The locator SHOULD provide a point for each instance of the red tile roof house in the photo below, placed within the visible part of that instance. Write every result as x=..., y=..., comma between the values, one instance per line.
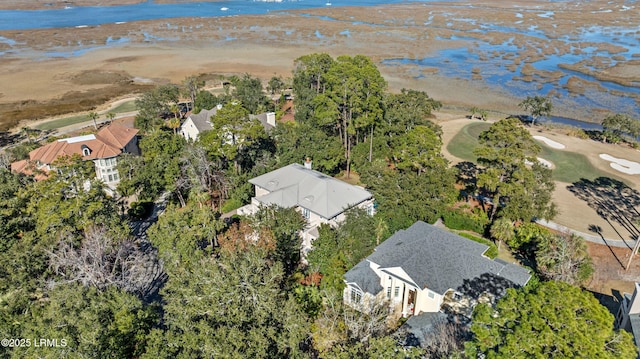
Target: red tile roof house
x=103, y=148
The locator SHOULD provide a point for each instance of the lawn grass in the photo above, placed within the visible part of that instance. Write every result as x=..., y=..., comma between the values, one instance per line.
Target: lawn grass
x=570, y=166
x=128, y=106
x=465, y=141
x=62, y=122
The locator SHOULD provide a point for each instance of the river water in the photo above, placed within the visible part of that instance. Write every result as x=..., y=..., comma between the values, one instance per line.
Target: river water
x=97, y=15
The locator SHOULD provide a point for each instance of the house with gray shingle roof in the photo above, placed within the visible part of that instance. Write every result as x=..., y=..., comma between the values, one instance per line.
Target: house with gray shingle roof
x=320, y=198
x=197, y=123
x=418, y=268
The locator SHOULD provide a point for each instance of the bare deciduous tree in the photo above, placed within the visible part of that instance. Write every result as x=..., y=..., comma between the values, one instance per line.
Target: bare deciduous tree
x=371, y=319
x=200, y=175
x=444, y=339
x=100, y=261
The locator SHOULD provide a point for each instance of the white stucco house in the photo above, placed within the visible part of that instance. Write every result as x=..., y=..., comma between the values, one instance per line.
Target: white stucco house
x=102, y=148
x=320, y=198
x=423, y=268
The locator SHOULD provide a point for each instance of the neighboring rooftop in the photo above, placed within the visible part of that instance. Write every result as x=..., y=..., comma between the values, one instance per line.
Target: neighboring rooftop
x=295, y=185
x=202, y=120
x=440, y=260
x=421, y=326
x=267, y=120
x=108, y=142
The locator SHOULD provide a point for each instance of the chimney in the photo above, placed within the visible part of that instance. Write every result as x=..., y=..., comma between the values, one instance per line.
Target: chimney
x=307, y=163
x=271, y=118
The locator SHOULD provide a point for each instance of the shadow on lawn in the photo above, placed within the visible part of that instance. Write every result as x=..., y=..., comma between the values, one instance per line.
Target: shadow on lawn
x=614, y=201
x=597, y=229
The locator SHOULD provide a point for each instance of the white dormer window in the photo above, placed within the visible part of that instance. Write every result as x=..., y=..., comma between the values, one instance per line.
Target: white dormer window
x=85, y=150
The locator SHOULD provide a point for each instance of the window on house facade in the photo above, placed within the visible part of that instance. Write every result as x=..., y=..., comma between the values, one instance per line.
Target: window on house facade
x=116, y=177
x=110, y=178
x=388, y=292
x=370, y=209
x=396, y=292
x=356, y=295
x=306, y=213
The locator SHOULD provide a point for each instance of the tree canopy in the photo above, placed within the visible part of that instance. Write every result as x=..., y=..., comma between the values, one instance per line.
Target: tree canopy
x=552, y=320
x=520, y=187
x=537, y=106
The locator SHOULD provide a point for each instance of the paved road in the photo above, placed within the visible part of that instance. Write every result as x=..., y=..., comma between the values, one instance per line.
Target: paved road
x=589, y=237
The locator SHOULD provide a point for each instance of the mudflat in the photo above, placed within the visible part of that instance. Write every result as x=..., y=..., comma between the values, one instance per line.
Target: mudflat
x=47, y=69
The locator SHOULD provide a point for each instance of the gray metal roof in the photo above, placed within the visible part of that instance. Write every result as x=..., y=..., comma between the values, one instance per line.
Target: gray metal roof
x=202, y=120
x=295, y=185
x=440, y=260
x=364, y=277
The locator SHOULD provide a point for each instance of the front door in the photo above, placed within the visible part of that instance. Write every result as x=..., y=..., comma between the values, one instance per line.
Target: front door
x=411, y=302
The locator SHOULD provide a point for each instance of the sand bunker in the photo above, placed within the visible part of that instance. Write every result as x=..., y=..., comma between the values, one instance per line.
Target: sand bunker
x=542, y=161
x=550, y=143
x=545, y=163
x=622, y=165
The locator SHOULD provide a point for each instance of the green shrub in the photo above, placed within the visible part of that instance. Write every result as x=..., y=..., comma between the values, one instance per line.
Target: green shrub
x=141, y=209
x=579, y=133
x=492, y=252
x=230, y=204
x=457, y=219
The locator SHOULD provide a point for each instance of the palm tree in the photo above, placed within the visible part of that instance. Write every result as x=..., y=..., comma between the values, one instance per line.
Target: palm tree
x=502, y=230
x=174, y=124
x=175, y=110
x=27, y=131
x=94, y=116
x=111, y=116
x=474, y=110
x=484, y=114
